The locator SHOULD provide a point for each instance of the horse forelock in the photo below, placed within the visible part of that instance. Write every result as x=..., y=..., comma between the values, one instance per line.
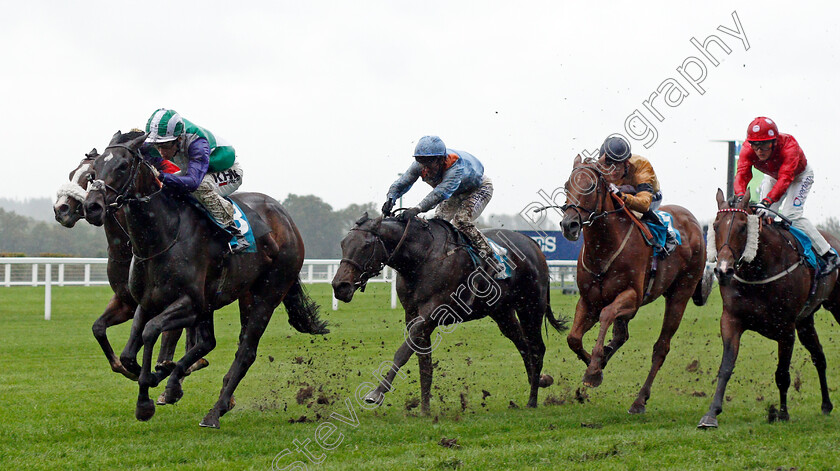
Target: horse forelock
x=131, y=135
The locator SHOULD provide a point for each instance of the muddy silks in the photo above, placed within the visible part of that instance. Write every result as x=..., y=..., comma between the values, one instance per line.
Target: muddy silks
x=434, y=180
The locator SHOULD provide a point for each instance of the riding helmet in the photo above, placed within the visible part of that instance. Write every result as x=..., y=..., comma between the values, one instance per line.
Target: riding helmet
x=762, y=129
x=164, y=125
x=430, y=146
x=616, y=148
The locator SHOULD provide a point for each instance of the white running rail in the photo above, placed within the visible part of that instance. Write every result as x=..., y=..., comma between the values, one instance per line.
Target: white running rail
x=56, y=271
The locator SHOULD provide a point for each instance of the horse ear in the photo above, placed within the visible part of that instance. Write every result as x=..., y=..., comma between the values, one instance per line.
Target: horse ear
x=362, y=219
x=116, y=138
x=92, y=154
x=744, y=203
x=137, y=141
x=578, y=160
x=721, y=200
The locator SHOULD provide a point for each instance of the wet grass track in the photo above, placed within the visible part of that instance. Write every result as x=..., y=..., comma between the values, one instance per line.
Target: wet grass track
x=62, y=407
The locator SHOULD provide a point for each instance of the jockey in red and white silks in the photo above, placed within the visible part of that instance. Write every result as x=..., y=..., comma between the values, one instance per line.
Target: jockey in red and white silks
x=787, y=182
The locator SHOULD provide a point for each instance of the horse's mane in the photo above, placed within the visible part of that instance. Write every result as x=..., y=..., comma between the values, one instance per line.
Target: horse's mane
x=133, y=134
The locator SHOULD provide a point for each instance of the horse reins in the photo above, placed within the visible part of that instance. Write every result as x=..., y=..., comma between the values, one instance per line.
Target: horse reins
x=368, y=273
x=738, y=264
x=123, y=198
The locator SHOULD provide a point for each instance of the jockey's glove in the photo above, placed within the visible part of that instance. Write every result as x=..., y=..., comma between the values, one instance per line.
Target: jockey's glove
x=410, y=213
x=388, y=207
x=762, y=208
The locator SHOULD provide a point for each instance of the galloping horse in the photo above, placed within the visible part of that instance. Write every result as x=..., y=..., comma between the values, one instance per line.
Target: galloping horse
x=68, y=209
x=438, y=285
x=614, y=273
x=182, y=272
x=766, y=288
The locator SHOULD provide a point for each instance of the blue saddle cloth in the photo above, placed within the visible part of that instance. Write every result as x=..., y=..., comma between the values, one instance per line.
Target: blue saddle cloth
x=807, y=248
x=499, y=252
x=660, y=231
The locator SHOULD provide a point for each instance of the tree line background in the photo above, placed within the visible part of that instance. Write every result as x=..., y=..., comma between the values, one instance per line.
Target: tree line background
x=28, y=228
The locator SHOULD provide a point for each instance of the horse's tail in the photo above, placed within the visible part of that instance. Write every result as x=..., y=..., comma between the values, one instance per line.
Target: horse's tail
x=303, y=311
x=560, y=325
x=704, y=288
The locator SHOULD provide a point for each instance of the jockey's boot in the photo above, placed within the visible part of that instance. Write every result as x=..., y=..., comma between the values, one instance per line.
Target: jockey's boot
x=241, y=243
x=496, y=268
x=831, y=263
x=671, y=243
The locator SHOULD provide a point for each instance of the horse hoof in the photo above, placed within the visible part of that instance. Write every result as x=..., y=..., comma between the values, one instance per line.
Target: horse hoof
x=826, y=409
x=708, y=422
x=161, y=400
x=200, y=364
x=211, y=420
x=374, y=397
x=593, y=380
x=172, y=395
x=121, y=370
x=546, y=381
x=145, y=409
x=637, y=409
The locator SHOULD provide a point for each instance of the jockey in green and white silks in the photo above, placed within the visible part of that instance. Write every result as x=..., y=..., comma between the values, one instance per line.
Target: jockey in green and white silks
x=209, y=169
x=460, y=191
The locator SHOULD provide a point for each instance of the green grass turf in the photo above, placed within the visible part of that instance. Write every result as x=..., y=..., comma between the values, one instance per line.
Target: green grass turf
x=62, y=407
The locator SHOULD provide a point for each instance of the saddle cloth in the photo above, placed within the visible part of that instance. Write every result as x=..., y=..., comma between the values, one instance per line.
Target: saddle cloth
x=806, y=248
x=499, y=253
x=249, y=223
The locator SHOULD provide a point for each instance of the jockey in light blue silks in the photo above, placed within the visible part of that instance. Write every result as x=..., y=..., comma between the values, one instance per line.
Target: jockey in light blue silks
x=461, y=191
x=209, y=169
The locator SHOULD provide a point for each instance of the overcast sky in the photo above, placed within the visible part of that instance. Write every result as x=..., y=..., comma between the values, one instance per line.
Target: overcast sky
x=329, y=98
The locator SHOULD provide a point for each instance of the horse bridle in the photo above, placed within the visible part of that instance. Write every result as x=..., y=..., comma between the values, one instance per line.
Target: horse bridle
x=123, y=197
x=729, y=232
x=122, y=194
x=597, y=213
x=368, y=272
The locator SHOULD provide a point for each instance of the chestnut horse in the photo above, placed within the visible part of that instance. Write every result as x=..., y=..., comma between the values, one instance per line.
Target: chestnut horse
x=68, y=209
x=766, y=288
x=614, y=273
x=183, y=271
x=438, y=285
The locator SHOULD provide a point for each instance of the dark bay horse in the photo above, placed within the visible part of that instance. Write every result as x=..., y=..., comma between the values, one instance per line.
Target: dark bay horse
x=182, y=272
x=68, y=210
x=766, y=288
x=614, y=273
x=438, y=285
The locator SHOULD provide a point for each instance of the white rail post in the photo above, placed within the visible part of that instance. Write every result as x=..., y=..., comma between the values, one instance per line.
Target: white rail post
x=393, y=288
x=330, y=274
x=34, y=274
x=60, y=274
x=87, y=274
x=8, y=275
x=47, y=291
x=311, y=271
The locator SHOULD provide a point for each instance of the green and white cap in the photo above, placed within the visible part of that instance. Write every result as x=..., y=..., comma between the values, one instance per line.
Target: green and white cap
x=164, y=125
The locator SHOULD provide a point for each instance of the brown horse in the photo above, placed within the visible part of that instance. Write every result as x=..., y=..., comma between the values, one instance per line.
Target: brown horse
x=614, y=273
x=68, y=209
x=182, y=272
x=766, y=288
x=438, y=285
